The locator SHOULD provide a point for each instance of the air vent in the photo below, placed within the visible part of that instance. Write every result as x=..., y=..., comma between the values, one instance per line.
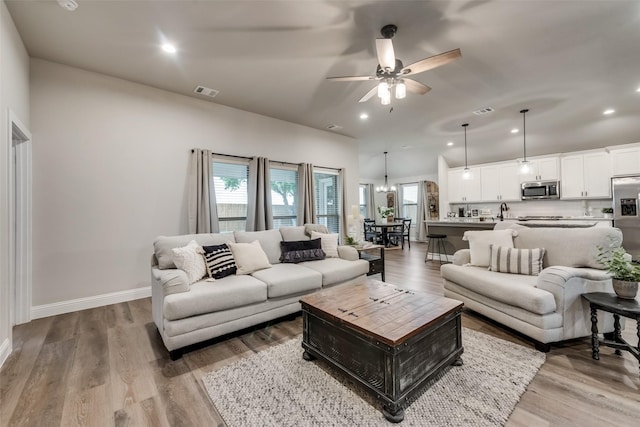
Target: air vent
x=484, y=111
x=334, y=127
x=206, y=91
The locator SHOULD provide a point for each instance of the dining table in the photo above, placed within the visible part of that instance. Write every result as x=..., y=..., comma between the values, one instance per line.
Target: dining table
x=384, y=230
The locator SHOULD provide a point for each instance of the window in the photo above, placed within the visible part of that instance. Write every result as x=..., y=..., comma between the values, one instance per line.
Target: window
x=230, y=184
x=409, y=194
x=284, y=197
x=362, y=195
x=327, y=199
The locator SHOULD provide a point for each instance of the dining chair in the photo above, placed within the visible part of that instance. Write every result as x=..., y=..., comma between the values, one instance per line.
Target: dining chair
x=399, y=233
x=370, y=233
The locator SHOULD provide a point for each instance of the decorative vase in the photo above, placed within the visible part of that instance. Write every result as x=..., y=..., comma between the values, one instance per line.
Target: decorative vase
x=390, y=218
x=624, y=289
x=383, y=220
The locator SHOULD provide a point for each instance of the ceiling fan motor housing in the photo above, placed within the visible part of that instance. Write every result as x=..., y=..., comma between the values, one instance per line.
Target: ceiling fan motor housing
x=382, y=73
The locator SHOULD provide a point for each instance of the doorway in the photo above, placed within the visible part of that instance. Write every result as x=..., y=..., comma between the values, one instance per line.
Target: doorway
x=20, y=222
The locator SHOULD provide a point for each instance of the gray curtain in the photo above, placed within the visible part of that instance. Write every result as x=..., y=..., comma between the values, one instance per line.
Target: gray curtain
x=306, y=195
x=259, y=215
x=371, y=201
x=423, y=210
x=201, y=205
x=344, y=211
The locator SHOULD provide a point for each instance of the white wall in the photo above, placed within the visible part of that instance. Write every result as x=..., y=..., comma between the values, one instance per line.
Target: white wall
x=14, y=96
x=110, y=162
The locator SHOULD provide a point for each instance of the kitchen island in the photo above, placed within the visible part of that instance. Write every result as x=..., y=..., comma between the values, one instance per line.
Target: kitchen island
x=454, y=228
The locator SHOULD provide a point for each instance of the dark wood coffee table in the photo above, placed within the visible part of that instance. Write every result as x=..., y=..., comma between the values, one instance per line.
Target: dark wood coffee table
x=389, y=340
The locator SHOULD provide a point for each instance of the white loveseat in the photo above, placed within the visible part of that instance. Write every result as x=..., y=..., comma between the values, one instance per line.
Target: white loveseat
x=187, y=314
x=547, y=307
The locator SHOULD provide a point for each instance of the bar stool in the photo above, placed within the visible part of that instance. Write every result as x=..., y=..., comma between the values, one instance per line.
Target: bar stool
x=436, y=242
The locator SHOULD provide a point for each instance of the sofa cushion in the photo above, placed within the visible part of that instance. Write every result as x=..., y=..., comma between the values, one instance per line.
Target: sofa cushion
x=517, y=261
x=479, y=242
x=301, y=250
x=219, y=261
x=189, y=259
x=163, y=245
x=569, y=247
x=336, y=270
x=269, y=241
x=289, y=279
x=512, y=289
x=208, y=297
x=249, y=257
x=329, y=243
x=290, y=234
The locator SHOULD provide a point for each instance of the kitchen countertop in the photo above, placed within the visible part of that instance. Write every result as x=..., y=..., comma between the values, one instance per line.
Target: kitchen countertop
x=489, y=223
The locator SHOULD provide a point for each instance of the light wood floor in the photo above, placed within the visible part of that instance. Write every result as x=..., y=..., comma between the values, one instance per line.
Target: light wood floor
x=107, y=366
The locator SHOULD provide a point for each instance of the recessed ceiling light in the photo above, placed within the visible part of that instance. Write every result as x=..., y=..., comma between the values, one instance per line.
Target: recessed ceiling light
x=638, y=90
x=514, y=130
x=69, y=5
x=449, y=143
x=364, y=116
x=608, y=111
x=169, y=48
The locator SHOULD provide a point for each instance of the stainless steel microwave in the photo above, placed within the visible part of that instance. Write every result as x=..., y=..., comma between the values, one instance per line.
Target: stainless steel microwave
x=540, y=190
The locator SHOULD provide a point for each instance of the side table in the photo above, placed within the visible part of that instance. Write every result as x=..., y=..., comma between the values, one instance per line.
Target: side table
x=610, y=303
x=376, y=262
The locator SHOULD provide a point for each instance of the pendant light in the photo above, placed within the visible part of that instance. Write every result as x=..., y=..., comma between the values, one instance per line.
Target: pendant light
x=385, y=187
x=466, y=173
x=524, y=165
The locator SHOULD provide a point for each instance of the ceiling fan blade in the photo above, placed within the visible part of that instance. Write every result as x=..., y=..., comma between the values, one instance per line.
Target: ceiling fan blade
x=432, y=62
x=386, y=56
x=416, y=87
x=369, y=94
x=351, y=78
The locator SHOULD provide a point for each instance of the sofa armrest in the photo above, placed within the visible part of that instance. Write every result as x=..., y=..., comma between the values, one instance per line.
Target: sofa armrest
x=462, y=257
x=567, y=284
x=348, y=252
x=171, y=280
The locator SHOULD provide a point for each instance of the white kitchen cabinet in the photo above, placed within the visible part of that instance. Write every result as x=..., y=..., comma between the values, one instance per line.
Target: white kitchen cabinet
x=464, y=190
x=586, y=176
x=500, y=182
x=625, y=161
x=544, y=169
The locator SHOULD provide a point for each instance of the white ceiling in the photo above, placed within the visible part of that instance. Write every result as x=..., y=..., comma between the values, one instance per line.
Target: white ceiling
x=564, y=60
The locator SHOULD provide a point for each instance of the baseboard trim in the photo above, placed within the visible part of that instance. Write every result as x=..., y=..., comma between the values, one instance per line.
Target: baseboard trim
x=5, y=351
x=53, y=309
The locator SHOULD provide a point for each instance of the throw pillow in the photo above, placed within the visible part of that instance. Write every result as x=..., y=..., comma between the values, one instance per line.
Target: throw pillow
x=309, y=228
x=189, y=259
x=329, y=243
x=516, y=261
x=479, y=242
x=219, y=261
x=249, y=257
x=301, y=250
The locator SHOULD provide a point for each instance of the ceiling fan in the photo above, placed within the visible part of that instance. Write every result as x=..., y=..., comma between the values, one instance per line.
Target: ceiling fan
x=391, y=73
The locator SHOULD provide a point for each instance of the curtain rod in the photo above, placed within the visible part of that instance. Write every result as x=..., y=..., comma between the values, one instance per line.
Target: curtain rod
x=271, y=161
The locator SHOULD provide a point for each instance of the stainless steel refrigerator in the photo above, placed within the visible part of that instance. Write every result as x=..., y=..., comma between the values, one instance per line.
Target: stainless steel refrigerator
x=626, y=194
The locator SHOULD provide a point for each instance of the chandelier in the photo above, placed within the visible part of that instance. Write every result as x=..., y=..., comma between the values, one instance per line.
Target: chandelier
x=385, y=187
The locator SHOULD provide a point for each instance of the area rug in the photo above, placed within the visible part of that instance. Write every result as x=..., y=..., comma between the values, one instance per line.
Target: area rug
x=276, y=387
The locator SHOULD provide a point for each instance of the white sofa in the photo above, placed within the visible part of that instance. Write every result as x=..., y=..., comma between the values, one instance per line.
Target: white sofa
x=187, y=314
x=547, y=307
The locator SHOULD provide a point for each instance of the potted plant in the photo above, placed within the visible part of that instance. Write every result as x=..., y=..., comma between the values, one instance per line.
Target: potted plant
x=607, y=212
x=624, y=274
x=385, y=213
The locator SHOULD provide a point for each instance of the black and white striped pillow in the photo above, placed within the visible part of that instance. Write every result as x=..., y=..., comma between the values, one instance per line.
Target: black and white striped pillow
x=516, y=261
x=219, y=261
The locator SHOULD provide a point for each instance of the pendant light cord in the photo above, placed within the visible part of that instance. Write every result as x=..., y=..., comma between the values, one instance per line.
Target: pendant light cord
x=465, y=144
x=524, y=132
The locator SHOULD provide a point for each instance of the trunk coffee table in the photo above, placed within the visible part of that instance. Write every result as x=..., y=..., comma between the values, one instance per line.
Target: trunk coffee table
x=389, y=340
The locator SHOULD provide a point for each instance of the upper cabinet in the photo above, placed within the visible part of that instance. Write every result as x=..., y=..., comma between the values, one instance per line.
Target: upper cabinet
x=625, y=161
x=586, y=176
x=500, y=182
x=543, y=169
x=464, y=190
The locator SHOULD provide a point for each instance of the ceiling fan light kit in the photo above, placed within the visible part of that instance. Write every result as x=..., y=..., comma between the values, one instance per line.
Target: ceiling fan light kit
x=391, y=73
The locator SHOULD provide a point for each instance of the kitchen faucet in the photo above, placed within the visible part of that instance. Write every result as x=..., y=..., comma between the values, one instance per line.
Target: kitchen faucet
x=503, y=208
